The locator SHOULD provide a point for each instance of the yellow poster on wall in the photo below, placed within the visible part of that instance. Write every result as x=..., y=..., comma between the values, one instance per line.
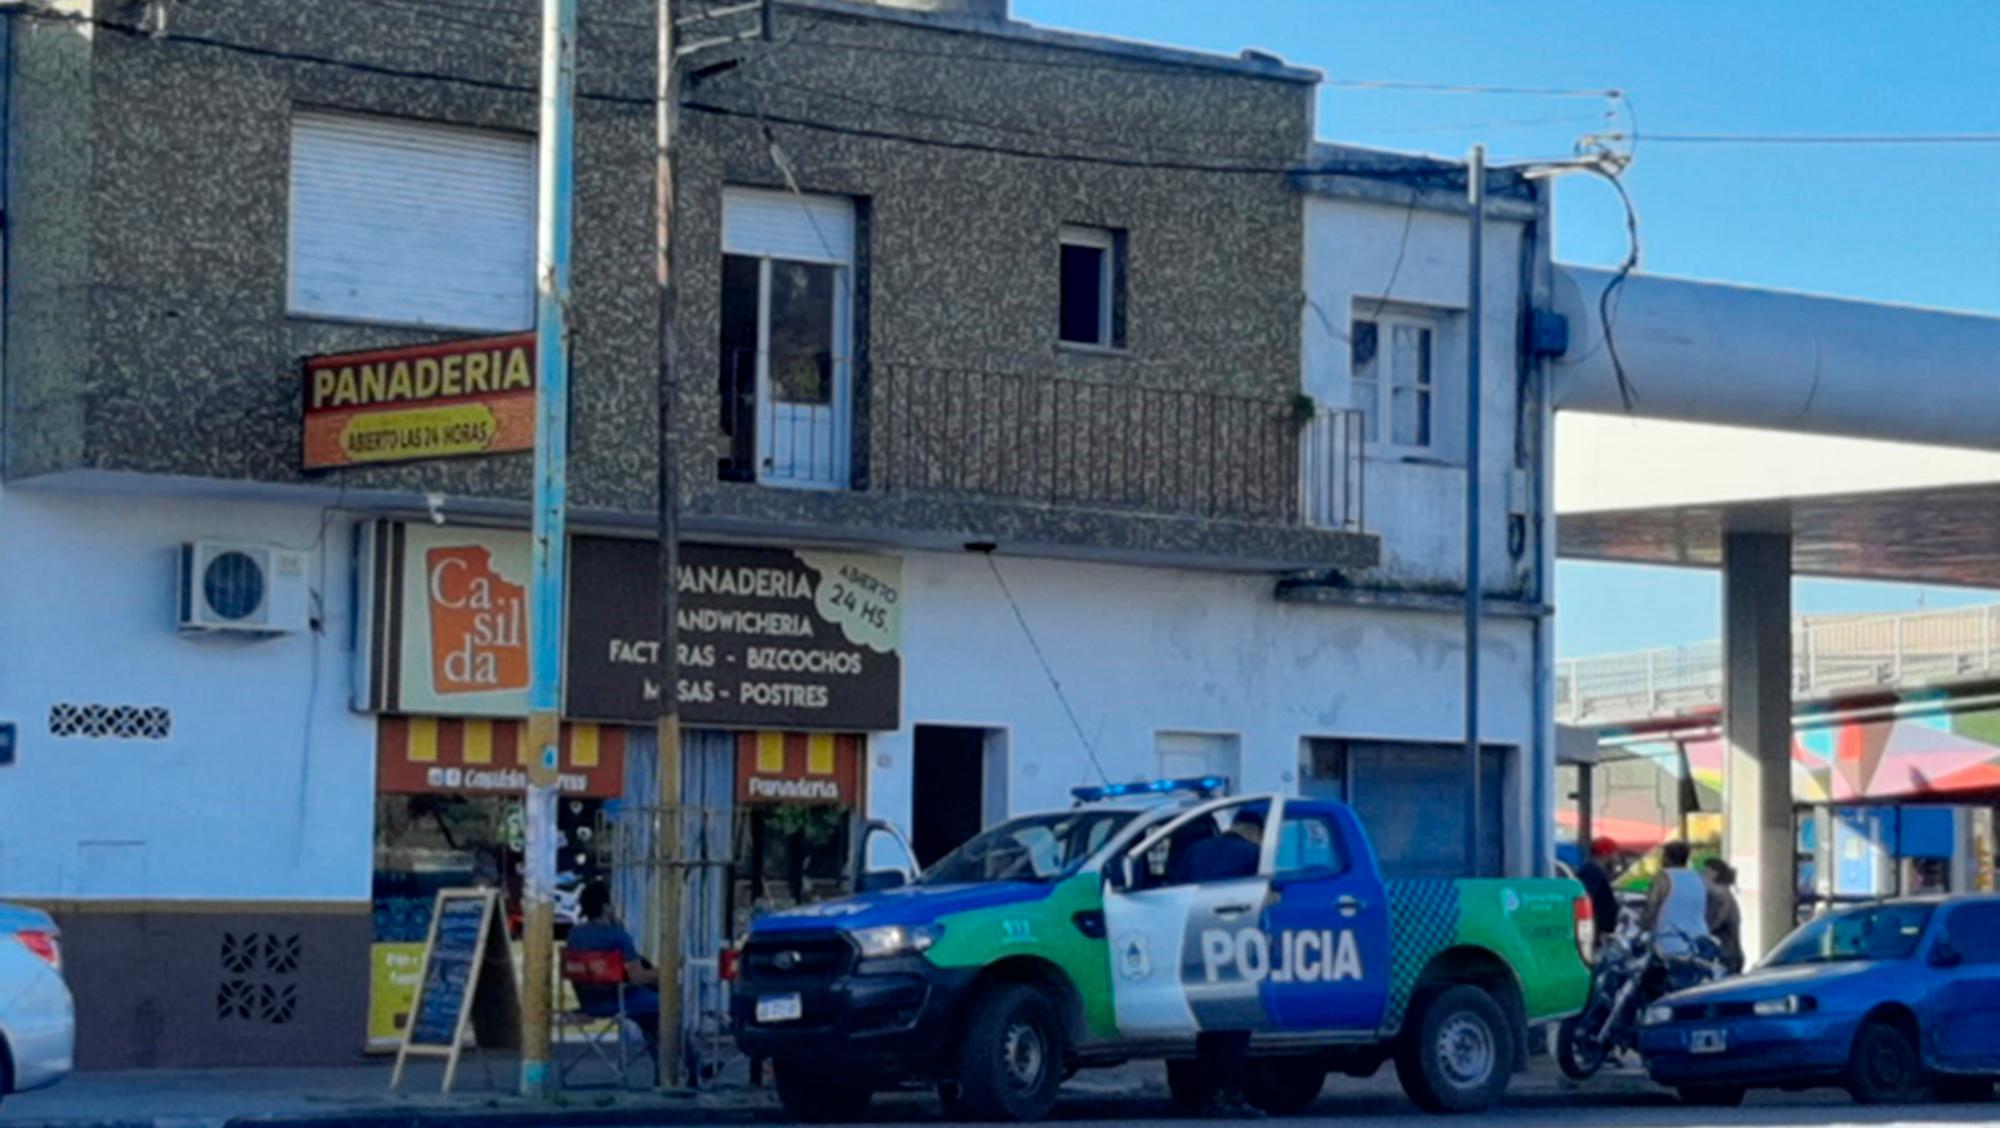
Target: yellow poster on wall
x=392, y=991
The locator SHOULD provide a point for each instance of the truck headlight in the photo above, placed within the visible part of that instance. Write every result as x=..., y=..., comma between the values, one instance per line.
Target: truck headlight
x=895, y=939
x=1656, y=1016
x=1789, y=1004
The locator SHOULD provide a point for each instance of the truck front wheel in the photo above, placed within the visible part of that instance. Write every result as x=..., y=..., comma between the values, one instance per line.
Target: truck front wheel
x=1457, y=1055
x=816, y=1096
x=1012, y=1059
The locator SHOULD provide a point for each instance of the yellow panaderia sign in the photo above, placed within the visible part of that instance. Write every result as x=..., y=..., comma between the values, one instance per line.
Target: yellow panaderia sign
x=425, y=401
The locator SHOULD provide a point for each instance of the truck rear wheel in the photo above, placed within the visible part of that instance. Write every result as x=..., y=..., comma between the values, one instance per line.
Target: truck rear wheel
x=1011, y=1061
x=1284, y=1086
x=1459, y=1051
x=814, y=1096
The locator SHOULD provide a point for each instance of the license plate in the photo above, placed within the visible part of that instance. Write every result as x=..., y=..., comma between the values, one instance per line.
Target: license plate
x=1708, y=1041
x=780, y=1008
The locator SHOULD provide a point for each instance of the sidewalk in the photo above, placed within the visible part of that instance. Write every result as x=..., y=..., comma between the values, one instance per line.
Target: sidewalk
x=358, y=1096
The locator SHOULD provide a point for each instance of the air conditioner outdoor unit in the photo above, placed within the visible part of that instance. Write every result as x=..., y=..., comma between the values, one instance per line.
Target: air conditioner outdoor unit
x=244, y=588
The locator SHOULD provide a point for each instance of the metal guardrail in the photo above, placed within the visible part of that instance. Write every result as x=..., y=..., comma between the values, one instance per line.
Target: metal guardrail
x=1057, y=440
x=1829, y=656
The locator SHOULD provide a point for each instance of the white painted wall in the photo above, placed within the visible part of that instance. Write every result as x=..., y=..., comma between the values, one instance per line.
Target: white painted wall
x=248, y=800
x=1141, y=651
x=1352, y=255
x=245, y=800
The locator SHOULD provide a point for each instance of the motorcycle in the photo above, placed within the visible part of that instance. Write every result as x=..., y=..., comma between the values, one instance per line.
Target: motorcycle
x=1628, y=974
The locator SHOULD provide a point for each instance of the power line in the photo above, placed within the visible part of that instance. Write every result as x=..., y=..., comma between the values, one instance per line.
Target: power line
x=1403, y=173
x=1048, y=671
x=1413, y=173
x=1818, y=138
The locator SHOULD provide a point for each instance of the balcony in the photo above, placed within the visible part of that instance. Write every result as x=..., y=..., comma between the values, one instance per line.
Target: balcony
x=1054, y=464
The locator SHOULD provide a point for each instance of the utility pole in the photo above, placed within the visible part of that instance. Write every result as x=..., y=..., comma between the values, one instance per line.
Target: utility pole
x=669, y=826
x=555, y=182
x=672, y=825
x=1475, y=197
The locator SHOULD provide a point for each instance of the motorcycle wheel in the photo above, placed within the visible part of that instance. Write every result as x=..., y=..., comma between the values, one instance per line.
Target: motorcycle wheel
x=1578, y=1054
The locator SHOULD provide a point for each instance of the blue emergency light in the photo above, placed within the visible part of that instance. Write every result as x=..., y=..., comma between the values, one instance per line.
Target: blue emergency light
x=1206, y=787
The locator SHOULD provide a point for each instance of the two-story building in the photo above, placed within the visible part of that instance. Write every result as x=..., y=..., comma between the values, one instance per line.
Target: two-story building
x=1046, y=409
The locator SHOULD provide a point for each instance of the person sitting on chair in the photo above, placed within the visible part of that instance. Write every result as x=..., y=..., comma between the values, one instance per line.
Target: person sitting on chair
x=599, y=932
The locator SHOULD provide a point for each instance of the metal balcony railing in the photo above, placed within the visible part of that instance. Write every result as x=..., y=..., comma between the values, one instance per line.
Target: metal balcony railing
x=1830, y=656
x=1052, y=440
x=1098, y=444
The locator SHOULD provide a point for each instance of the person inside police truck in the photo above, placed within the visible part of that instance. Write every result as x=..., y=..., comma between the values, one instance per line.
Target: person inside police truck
x=1222, y=1056
x=600, y=932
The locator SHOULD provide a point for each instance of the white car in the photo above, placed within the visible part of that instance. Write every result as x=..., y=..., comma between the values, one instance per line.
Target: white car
x=37, y=1017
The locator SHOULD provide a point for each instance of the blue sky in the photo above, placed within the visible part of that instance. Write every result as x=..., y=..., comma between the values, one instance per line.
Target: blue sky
x=1910, y=224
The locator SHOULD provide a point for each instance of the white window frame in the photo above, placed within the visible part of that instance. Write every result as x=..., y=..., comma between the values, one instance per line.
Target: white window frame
x=818, y=230
x=1100, y=239
x=1386, y=319
x=302, y=301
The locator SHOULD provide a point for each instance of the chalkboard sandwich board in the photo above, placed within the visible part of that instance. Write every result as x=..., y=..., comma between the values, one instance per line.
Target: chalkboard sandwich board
x=467, y=982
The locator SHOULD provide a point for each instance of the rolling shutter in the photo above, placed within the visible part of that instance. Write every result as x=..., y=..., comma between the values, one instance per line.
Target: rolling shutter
x=786, y=225
x=411, y=223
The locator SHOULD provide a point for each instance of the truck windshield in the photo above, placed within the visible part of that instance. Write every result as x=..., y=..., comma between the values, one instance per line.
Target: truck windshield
x=1878, y=932
x=1035, y=848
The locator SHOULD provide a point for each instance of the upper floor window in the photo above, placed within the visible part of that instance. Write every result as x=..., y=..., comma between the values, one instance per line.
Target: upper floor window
x=1092, y=287
x=411, y=223
x=787, y=328
x=1393, y=368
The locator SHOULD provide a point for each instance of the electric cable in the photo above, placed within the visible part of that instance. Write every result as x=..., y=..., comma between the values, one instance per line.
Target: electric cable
x=1048, y=671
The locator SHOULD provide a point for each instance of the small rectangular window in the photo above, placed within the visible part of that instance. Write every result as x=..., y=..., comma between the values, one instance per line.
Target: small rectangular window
x=1392, y=373
x=1091, y=282
x=411, y=223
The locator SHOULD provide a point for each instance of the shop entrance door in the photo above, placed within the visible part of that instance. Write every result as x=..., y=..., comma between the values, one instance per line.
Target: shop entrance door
x=959, y=780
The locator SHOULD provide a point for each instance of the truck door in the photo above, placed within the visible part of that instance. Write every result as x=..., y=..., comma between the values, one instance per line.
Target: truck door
x=1174, y=967
x=1327, y=923
x=1967, y=995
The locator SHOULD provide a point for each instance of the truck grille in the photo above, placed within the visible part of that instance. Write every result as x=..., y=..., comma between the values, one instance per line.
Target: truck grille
x=808, y=958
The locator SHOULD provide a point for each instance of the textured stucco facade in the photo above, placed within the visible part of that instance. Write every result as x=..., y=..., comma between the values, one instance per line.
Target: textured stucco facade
x=149, y=333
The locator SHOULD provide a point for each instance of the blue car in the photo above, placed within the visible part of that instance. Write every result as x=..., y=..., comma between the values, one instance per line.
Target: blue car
x=1883, y=1000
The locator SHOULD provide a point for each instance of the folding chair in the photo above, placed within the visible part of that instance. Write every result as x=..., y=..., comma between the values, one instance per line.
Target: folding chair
x=612, y=1046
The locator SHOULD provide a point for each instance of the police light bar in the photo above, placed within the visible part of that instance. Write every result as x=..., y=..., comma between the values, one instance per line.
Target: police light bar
x=1207, y=787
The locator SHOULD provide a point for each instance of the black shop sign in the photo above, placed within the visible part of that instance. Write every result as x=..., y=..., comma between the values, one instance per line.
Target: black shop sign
x=769, y=638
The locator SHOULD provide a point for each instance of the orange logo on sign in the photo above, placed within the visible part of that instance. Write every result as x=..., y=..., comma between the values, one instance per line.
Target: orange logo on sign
x=479, y=623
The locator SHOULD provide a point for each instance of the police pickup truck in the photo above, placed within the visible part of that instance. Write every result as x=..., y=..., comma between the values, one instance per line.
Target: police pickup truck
x=1061, y=941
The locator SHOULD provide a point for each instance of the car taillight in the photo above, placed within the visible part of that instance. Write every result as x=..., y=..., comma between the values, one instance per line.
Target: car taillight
x=42, y=944
x=725, y=964
x=1586, y=928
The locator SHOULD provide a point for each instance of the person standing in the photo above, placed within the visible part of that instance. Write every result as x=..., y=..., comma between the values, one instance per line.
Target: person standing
x=1677, y=906
x=1725, y=916
x=1596, y=876
x=1223, y=1056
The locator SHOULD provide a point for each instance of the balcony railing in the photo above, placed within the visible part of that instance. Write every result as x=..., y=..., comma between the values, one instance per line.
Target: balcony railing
x=1053, y=440
x=1098, y=444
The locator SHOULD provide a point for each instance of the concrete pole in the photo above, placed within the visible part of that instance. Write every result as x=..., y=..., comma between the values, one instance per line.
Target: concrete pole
x=668, y=828
x=1475, y=198
x=1757, y=728
x=555, y=184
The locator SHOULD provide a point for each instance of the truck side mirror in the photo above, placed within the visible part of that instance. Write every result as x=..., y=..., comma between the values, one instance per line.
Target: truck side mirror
x=1945, y=954
x=875, y=881
x=1122, y=873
